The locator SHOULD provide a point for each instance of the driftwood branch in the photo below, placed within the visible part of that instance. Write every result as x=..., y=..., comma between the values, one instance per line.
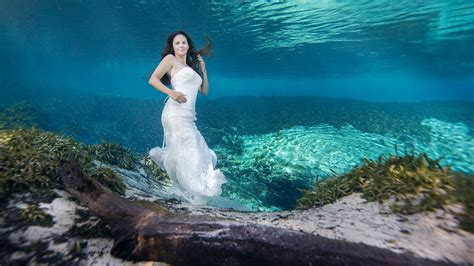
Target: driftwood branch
x=143, y=234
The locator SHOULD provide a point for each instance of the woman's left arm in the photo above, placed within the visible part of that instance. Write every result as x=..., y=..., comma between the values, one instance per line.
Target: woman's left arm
x=205, y=82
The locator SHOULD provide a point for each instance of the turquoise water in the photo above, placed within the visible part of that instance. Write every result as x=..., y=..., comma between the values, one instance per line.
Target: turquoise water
x=374, y=50
x=298, y=90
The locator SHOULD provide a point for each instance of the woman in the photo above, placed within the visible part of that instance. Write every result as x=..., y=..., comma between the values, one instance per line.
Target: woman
x=184, y=154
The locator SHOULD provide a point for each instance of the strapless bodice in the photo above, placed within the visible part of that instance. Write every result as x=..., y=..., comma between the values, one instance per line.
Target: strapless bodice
x=186, y=78
x=187, y=81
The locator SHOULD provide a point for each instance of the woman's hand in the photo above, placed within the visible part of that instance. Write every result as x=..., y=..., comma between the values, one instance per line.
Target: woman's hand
x=201, y=63
x=178, y=96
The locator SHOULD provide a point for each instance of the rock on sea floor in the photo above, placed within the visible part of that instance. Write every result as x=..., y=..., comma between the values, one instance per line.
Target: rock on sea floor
x=433, y=235
x=76, y=237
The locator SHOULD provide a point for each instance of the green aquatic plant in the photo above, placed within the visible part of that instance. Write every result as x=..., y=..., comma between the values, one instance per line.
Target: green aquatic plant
x=109, y=178
x=464, y=193
x=326, y=191
x=153, y=170
x=414, y=183
x=113, y=154
x=29, y=159
x=36, y=216
x=20, y=115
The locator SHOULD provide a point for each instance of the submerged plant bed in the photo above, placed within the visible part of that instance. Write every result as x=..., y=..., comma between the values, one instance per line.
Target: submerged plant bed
x=20, y=115
x=30, y=158
x=113, y=154
x=414, y=183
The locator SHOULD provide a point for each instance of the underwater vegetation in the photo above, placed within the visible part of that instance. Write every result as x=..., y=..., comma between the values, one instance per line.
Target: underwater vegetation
x=109, y=178
x=464, y=188
x=36, y=216
x=113, y=154
x=118, y=155
x=20, y=115
x=30, y=159
x=414, y=183
x=152, y=169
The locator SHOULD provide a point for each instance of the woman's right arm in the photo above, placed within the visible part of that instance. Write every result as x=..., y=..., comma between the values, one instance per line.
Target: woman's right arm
x=161, y=70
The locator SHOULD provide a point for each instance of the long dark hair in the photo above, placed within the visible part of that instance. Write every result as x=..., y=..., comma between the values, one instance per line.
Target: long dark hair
x=191, y=58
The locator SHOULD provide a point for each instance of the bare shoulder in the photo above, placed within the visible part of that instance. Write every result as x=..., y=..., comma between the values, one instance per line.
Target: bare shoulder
x=169, y=61
x=168, y=58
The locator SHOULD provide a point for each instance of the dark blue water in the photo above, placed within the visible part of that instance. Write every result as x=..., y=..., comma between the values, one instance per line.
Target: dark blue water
x=298, y=90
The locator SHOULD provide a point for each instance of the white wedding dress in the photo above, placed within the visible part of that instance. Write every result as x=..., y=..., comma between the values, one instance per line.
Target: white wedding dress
x=185, y=155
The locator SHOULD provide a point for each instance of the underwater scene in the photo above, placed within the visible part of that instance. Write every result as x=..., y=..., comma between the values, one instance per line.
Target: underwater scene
x=347, y=126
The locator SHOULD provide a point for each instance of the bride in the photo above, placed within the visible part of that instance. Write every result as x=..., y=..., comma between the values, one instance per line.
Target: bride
x=185, y=155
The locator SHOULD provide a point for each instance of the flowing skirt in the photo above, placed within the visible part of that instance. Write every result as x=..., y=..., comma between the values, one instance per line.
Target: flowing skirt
x=186, y=157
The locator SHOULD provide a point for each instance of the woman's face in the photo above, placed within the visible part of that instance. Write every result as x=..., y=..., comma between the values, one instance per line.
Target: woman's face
x=180, y=45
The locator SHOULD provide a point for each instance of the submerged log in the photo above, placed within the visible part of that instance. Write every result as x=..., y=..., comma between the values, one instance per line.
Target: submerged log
x=143, y=234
